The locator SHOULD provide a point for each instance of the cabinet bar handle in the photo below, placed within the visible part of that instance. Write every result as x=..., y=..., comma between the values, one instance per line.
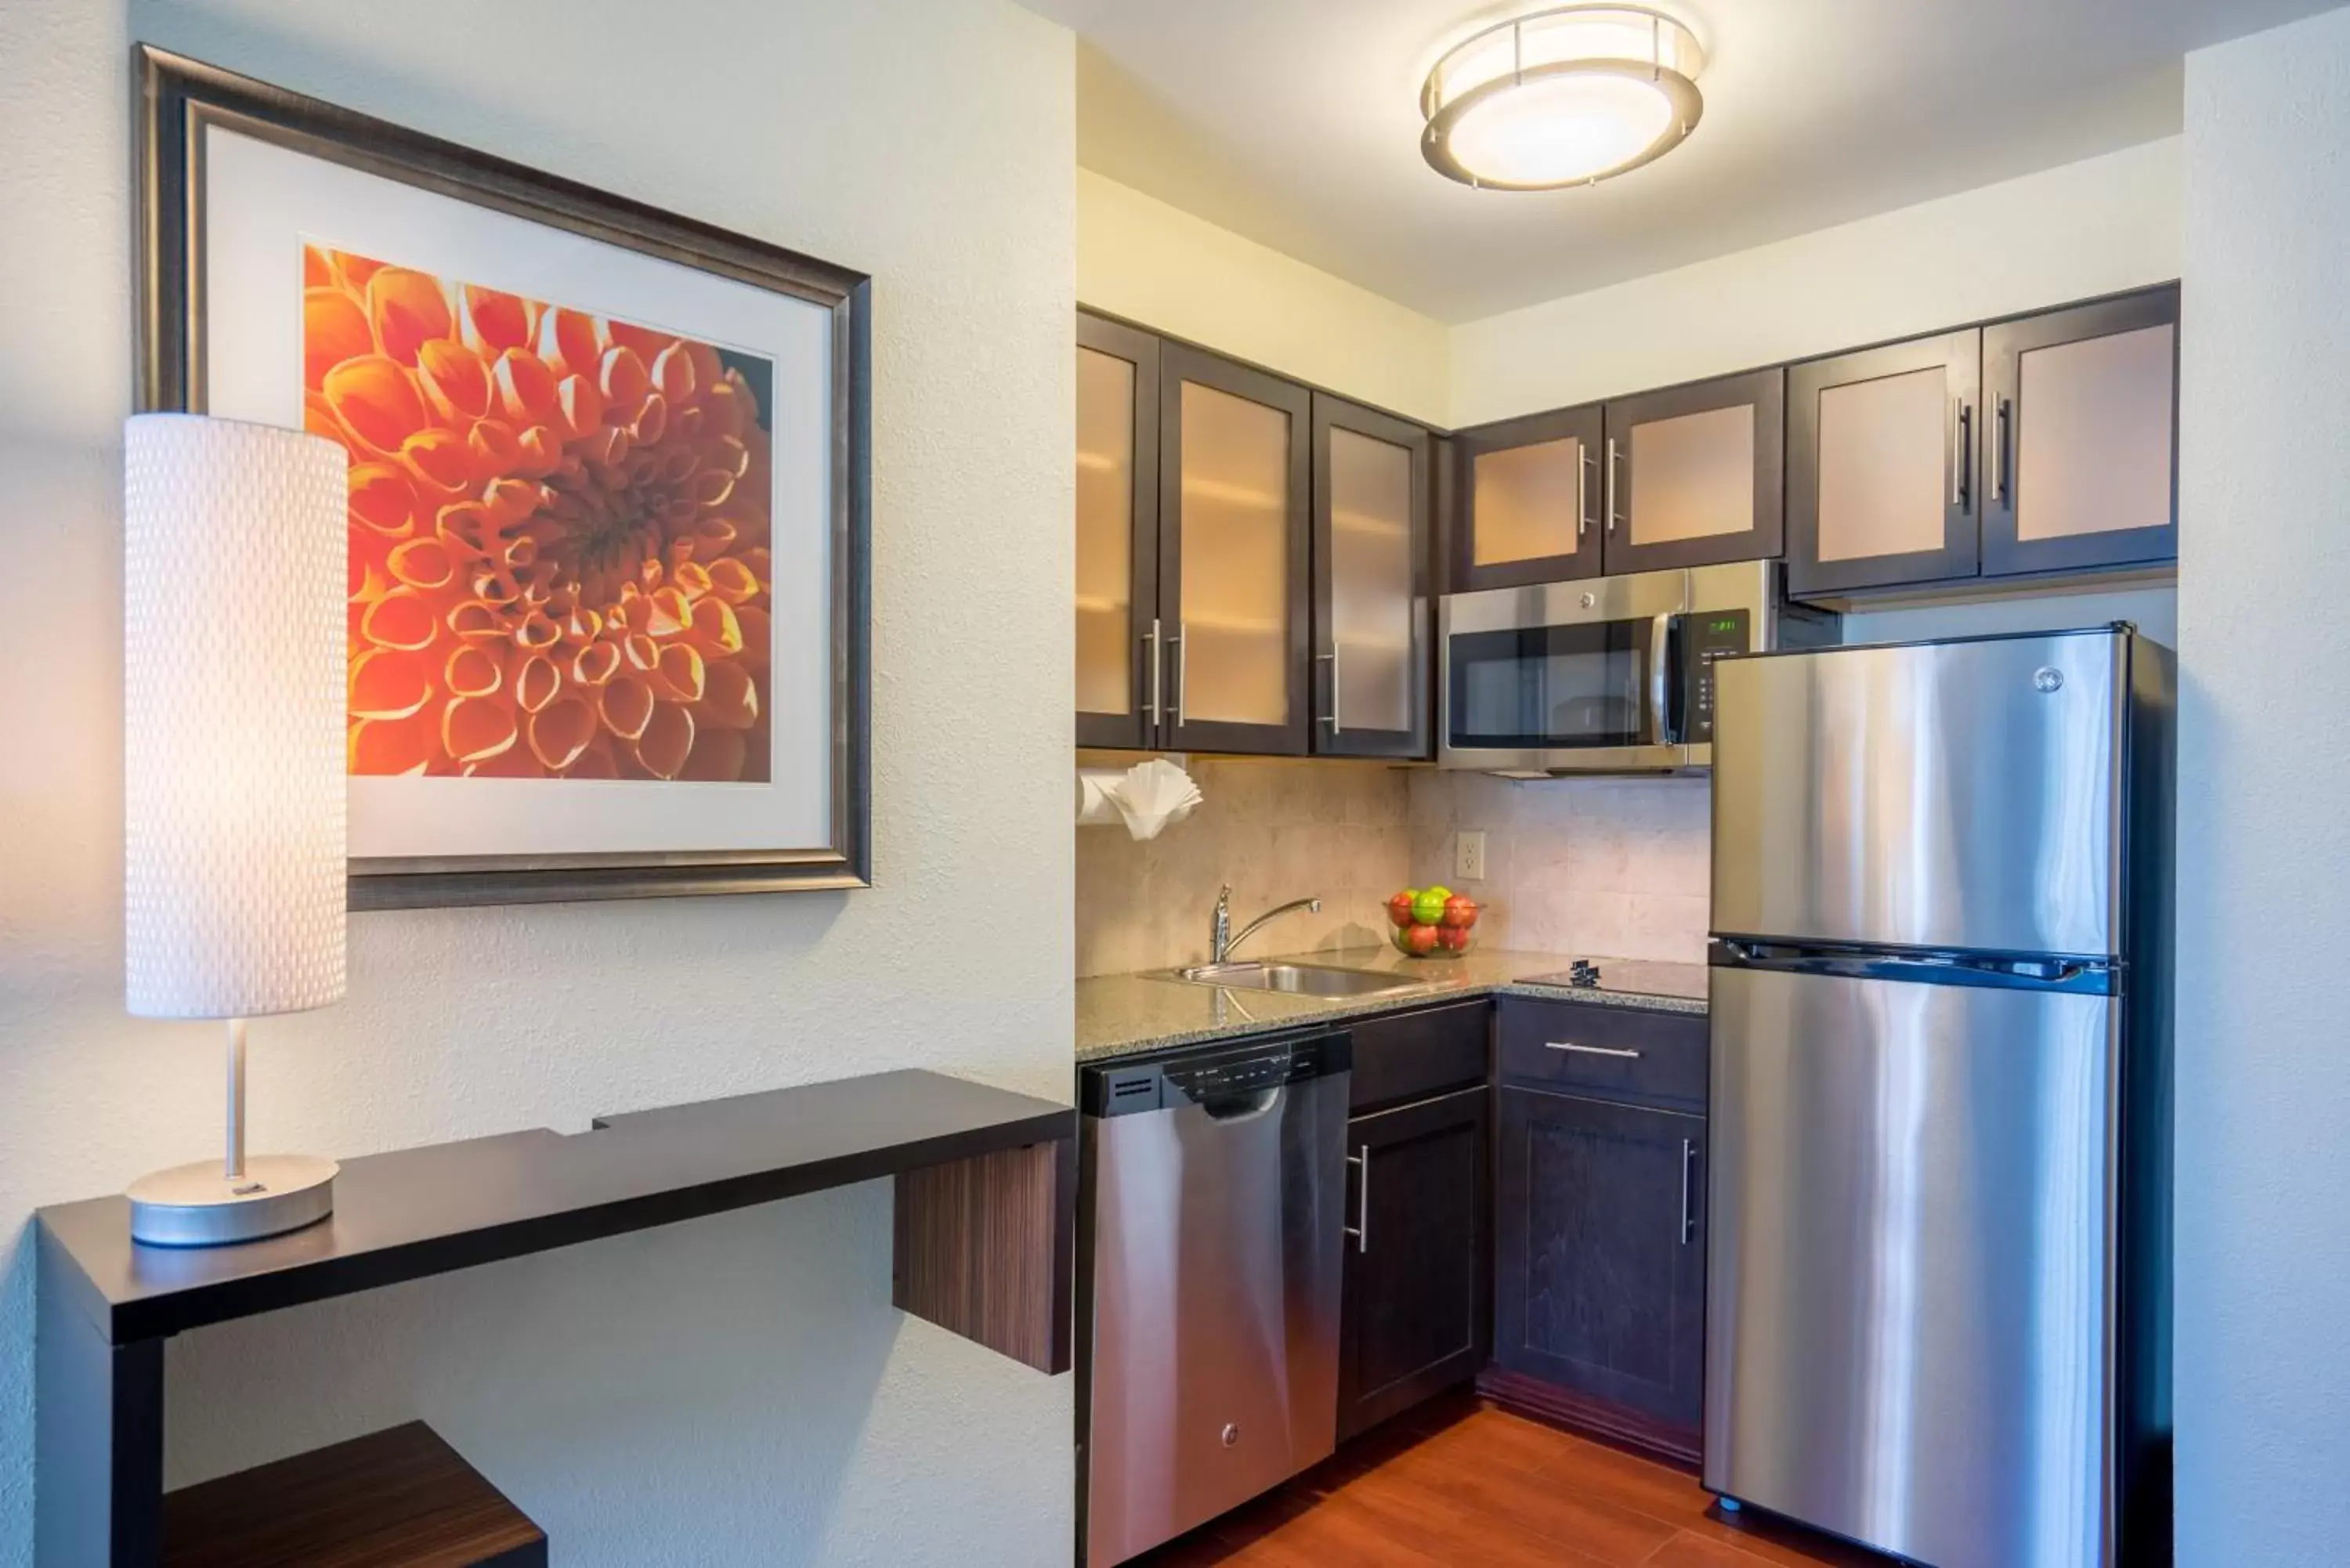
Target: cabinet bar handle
x=1591, y=1050
x=1182, y=640
x=1361, y=1228
x=1157, y=676
x=1611, y=483
x=1963, y=455
x=1331, y=718
x=2002, y=421
x=1688, y=1221
x=1585, y=462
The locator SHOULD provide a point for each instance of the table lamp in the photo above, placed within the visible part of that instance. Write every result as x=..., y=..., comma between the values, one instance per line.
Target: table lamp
x=234, y=606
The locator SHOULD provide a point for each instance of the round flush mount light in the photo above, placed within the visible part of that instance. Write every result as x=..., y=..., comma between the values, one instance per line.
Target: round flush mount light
x=1564, y=96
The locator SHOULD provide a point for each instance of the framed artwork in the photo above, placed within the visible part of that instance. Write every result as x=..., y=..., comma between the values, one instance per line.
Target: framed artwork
x=609, y=495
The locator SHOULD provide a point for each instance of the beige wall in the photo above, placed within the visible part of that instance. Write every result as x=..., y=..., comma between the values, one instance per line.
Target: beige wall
x=1276, y=831
x=1142, y=259
x=2094, y=227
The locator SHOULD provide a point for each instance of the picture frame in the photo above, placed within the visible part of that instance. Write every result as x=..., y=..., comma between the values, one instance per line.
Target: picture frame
x=574, y=804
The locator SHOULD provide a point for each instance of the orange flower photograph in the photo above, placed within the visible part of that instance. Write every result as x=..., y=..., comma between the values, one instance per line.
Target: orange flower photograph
x=559, y=533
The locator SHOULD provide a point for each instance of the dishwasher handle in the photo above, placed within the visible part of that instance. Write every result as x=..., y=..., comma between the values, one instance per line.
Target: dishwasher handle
x=1245, y=1108
x=1229, y=1080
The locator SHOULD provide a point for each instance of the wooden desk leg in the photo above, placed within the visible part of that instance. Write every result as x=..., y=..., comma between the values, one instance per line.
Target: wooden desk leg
x=97, y=1495
x=986, y=1248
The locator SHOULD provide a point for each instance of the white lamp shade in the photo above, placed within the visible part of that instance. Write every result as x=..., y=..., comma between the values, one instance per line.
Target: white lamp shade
x=234, y=628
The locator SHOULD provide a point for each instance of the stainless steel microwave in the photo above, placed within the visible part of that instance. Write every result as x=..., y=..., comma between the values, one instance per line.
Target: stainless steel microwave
x=1609, y=675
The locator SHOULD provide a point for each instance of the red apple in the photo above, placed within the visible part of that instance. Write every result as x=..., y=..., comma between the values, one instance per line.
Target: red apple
x=1459, y=912
x=1454, y=938
x=1421, y=940
x=1399, y=907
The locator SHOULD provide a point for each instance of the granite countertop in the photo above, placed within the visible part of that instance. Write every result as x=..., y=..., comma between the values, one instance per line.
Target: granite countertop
x=1121, y=1014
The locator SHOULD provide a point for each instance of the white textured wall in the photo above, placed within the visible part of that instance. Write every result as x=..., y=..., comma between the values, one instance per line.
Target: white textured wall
x=2094, y=227
x=1142, y=259
x=736, y=1390
x=2264, y=1190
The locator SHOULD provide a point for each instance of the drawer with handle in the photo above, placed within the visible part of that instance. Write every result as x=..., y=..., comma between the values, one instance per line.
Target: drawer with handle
x=1604, y=1050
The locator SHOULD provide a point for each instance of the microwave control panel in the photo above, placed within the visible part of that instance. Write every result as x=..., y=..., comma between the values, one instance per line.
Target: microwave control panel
x=1706, y=638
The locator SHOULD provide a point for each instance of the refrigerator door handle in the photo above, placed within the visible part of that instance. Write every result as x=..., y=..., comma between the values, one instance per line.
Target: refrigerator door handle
x=2012, y=972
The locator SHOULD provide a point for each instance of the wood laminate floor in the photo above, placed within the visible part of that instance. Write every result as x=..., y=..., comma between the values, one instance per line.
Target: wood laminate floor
x=1460, y=1485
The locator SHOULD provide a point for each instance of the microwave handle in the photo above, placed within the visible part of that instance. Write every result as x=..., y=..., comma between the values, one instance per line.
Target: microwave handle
x=1661, y=642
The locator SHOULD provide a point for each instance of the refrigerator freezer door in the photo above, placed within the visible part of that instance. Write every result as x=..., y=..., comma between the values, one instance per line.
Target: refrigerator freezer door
x=1907, y=1298
x=1948, y=795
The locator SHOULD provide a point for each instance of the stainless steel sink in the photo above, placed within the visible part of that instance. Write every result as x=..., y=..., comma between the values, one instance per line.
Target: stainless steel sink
x=1298, y=979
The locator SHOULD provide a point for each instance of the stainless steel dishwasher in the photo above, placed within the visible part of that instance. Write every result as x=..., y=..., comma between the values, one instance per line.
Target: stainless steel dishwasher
x=1211, y=1229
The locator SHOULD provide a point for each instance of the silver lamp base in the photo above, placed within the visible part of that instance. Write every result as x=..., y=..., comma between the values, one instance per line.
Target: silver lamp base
x=201, y=1205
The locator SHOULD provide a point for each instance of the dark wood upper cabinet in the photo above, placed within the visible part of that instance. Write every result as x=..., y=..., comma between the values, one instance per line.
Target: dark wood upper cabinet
x=1417, y=1297
x=1526, y=497
x=1372, y=514
x=1693, y=475
x=1235, y=477
x=1883, y=466
x=1599, y=1261
x=1256, y=560
x=2081, y=437
x=1118, y=534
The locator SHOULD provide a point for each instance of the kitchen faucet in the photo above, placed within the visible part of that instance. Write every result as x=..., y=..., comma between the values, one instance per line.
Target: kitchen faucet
x=1220, y=940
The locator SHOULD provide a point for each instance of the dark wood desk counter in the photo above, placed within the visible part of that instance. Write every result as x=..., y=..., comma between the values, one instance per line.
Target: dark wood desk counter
x=986, y=1189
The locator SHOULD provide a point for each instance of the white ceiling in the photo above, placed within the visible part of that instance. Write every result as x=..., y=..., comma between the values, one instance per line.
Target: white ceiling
x=1295, y=123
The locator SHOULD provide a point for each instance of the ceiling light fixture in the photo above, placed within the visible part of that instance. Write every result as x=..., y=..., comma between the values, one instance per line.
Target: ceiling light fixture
x=1566, y=97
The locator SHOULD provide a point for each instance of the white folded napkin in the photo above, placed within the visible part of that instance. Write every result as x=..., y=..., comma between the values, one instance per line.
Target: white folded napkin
x=1146, y=797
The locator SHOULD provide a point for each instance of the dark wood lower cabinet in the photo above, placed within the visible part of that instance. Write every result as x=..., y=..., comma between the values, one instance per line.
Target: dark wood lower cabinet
x=1599, y=1265
x=1418, y=1255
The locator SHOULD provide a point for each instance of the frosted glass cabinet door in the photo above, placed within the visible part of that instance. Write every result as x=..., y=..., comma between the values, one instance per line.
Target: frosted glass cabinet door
x=1118, y=532
x=1691, y=474
x=2082, y=466
x=1528, y=495
x=1371, y=506
x=1234, y=528
x=1882, y=466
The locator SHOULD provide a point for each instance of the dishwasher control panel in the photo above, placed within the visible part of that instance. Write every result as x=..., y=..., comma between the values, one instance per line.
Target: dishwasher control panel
x=1202, y=1075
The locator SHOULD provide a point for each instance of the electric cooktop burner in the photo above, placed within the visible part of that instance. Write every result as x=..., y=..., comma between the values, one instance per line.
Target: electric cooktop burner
x=1583, y=975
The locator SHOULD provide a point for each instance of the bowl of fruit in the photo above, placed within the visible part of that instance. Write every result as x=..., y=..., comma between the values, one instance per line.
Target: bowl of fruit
x=1431, y=922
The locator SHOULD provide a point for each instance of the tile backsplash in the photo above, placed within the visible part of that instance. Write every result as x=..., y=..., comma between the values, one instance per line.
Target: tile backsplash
x=1614, y=867
x=1276, y=831
x=1608, y=867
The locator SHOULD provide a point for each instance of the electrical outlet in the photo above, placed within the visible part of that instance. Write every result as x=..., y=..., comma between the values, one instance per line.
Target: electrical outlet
x=1468, y=856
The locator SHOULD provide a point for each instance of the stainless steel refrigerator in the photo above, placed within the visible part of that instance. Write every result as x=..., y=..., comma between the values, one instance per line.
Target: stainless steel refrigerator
x=1937, y=1263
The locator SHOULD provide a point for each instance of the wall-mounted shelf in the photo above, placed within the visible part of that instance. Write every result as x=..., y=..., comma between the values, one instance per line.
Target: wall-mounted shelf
x=986, y=1225
x=399, y=1496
